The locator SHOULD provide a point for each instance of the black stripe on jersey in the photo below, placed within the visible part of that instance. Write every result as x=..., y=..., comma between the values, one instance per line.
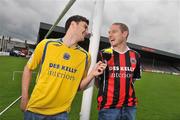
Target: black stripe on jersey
x=128, y=73
x=133, y=94
x=103, y=82
x=103, y=87
x=45, y=49
x=44, y=53
x=100, y=77
x=116, y=81
x=43, y=56
x=100, y=81
x=137, y=71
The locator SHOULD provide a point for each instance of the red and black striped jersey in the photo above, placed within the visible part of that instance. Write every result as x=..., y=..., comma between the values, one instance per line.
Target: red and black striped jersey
x=116, y=85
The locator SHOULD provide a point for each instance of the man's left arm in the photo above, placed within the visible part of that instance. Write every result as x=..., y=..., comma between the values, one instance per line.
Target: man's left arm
x=137, y=71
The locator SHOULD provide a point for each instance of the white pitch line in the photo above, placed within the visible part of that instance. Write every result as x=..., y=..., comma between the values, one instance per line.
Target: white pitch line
x=16, y=72
x=19, y=72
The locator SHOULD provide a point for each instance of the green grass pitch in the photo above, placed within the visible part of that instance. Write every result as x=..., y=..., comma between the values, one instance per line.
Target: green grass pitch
x=158, y=94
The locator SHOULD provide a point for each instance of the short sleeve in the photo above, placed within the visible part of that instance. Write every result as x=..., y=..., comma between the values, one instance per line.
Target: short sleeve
x=36, y=57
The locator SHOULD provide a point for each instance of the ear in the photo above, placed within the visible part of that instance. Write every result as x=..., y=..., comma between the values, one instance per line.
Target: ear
x=73, y=23
x=125, y=34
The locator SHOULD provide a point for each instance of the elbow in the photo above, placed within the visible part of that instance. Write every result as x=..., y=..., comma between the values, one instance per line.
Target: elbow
x=81, y=88
x=27, y=69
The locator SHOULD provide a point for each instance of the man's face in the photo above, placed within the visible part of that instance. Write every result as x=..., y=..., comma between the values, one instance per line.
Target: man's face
x=116, y=36
x=81, y=30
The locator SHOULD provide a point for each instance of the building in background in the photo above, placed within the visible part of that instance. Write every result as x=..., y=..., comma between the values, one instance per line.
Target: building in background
x=153, y=60
x=15, y=47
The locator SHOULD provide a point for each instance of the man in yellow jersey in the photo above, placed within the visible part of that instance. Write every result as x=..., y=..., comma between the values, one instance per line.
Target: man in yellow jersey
x=63, y=70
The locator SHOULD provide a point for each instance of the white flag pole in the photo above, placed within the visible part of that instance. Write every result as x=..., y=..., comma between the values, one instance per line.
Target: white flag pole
x=93, y=49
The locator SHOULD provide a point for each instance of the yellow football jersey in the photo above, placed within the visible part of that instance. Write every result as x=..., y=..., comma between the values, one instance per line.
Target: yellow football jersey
x=61, y=71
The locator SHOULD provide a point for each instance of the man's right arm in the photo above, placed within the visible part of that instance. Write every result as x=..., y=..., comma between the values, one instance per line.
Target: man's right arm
x=34, y=61
x=26, y=78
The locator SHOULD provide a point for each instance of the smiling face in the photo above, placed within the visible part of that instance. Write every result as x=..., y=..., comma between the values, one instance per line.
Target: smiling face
x=81, y=30
x=116, y=35
x=76, y=28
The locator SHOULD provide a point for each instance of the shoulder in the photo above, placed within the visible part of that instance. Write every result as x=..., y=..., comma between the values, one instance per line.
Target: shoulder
x=83, y=51
x=46, y=41
x=59, y=40
x=135, y=52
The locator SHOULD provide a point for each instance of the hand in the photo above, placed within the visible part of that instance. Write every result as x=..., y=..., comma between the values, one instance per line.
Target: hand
x=24, y=102
x=99, y=68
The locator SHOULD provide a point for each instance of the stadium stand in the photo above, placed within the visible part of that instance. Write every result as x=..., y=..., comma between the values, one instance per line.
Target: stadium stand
x=15, y=47
x=153, y=60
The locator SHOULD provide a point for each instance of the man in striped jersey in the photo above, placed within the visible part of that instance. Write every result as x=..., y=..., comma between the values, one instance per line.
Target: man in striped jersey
x=116, y=96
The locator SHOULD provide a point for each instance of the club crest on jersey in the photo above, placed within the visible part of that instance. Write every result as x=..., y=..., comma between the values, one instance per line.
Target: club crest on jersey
x=66, y=56
x=133, y=61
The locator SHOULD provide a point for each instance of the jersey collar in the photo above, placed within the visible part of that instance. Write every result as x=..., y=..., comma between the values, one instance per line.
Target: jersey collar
x=75, y=47
x=127, y=49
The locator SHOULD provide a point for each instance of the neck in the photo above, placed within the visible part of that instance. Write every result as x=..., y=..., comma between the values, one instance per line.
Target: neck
x=120, y=48
x=69, y=40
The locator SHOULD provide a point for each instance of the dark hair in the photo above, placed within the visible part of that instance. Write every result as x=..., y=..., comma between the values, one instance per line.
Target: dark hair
x=77, y=19
x=123, y=27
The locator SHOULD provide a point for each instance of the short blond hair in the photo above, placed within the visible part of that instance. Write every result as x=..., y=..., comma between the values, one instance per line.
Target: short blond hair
x=123, y=27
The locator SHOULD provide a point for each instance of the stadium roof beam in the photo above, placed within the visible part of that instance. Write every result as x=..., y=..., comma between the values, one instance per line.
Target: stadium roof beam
x=104, y=43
